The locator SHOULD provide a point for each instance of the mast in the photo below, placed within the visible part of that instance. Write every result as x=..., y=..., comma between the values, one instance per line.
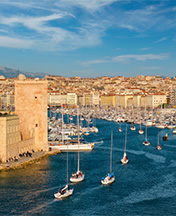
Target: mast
x=146, y=132
x=125, y=139
x=67, y=163
x=78, y=133
x=158, y=136
x=111, y=152
x=62, y=125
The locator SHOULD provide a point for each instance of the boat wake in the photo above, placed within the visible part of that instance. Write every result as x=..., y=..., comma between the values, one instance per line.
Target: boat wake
x=173, y=146
x=162, y=190
x=156, y=158
x=38, y=208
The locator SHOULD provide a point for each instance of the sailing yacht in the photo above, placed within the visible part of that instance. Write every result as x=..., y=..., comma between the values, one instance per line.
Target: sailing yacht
x=65, y=191
x=120, y=129
x=133, y=128
x=110, y=177
x=78, y=176
x=125, y=159
x=158, y=147
x=140, y=131
x=146, y=142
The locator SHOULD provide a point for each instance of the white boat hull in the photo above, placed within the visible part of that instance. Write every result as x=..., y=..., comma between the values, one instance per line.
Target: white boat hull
x=66, y=194
x=140, y=131
x=107, y=181
x=146, y=143
x=73, y=147
x=76, y=180
x=123, y=161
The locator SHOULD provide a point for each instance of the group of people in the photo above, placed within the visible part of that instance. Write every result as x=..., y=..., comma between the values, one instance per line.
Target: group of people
x=15, y=158
x=77, y=174
x=27, y=154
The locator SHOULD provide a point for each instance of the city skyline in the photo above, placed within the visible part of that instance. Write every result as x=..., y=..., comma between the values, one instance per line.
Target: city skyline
x=89, y=38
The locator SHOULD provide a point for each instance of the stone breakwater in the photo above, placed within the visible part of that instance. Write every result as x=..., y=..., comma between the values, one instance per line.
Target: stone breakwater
x=23, y=162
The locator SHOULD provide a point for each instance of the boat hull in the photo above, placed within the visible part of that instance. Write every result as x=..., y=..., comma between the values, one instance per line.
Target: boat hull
x=108, y=181
x=76, y=180
x=59, y=195
x=73, y=147
x=123, y=161
x=146, y=143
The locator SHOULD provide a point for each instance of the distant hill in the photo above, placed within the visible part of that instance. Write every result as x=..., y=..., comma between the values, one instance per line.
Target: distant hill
x=9, y=72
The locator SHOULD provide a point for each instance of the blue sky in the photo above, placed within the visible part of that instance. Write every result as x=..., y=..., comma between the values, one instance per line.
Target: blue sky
x=89, y=38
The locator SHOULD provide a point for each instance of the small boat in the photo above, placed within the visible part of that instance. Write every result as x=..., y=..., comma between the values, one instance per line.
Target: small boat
x=140, y=131
x=120, y=130
x=146, y=142
x=110, y=177
x=165, y=138
x=174, y=131
x=64, y=192
x=158, y=147
x=78, y=176
x=133, y=128
x=125, y=159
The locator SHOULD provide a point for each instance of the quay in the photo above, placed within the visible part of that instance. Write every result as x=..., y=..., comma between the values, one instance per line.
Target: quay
x=24, y=161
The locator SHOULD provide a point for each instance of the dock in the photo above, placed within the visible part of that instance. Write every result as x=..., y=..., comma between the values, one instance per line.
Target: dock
x=24, y=161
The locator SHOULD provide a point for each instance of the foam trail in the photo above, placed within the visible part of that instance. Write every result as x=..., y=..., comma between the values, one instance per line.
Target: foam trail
x=163, y=190
x=156, y=158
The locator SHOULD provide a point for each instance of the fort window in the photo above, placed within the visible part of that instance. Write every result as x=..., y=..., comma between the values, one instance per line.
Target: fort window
x=35, y=97
x=36, y=125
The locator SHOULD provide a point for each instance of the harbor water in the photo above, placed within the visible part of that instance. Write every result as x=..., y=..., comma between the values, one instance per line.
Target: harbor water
x=145, y=186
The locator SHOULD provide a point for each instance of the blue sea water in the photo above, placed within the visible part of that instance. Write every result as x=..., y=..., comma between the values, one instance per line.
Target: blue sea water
x=145, y=186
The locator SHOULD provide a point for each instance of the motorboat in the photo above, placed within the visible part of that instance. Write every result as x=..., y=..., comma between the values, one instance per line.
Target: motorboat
x=165, y=138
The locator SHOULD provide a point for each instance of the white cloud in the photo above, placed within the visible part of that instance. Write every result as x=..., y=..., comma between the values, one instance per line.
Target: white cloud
x=146, y=48
x=151, y=68
x=86, y=63
x=125, y=58
x=141, y=57
x=160, y=40
x=15, y=42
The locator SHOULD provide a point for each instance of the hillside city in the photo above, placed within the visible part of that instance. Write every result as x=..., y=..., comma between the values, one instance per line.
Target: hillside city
x=140, y=91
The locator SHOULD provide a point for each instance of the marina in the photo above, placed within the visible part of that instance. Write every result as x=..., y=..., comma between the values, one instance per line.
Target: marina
x=144, y=186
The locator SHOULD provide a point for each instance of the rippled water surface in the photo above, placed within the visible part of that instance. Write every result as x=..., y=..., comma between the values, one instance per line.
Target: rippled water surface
x=145, y=186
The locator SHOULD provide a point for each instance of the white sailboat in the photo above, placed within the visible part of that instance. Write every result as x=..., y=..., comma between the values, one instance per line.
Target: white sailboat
x=120, y=129
x=146, y=142
x=65, y=191
x=78, y=176
x=140, y=131
x=158, y=147
x=110, y=177
x=133, y=128
x=125, y=159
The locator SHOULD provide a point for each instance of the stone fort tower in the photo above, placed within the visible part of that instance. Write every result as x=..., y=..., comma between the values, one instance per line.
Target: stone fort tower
x=31, y=107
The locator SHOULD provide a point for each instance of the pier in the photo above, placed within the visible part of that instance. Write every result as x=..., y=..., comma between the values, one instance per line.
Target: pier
x=24, y=161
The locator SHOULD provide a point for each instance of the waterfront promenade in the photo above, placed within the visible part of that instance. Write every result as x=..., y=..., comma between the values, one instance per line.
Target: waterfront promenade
x=24, y=161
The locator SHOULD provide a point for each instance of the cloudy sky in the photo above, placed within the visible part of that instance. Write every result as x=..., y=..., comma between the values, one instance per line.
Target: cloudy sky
x=89, y=38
